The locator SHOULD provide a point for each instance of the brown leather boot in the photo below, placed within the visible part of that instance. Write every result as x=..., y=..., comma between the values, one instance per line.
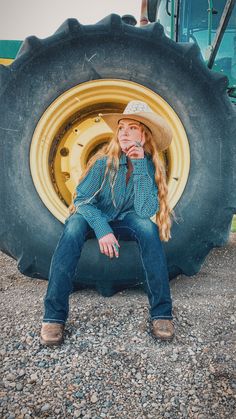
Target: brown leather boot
x=52, y=333
x=163, y=329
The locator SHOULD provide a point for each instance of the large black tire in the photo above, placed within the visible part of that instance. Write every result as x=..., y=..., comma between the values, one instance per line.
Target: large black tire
x=43, y=70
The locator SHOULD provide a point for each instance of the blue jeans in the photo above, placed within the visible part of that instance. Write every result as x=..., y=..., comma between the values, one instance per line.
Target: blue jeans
x=68, y=250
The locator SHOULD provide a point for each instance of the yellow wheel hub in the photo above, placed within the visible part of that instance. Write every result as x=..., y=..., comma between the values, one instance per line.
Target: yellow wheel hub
x=70, y=131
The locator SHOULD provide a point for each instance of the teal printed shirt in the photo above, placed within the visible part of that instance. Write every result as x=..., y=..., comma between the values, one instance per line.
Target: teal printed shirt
x=140, y=195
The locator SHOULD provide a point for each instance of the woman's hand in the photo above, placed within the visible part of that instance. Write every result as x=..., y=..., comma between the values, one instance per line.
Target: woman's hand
x=135, y=152
x=135, y=149
x=109, y=245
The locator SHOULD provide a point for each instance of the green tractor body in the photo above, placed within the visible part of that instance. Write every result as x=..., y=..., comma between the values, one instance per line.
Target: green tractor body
x=200, y=22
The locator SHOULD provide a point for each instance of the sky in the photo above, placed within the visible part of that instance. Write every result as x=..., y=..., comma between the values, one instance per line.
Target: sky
x=21, y=18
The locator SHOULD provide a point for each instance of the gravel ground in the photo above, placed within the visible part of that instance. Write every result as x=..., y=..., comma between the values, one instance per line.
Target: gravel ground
x=110, y=366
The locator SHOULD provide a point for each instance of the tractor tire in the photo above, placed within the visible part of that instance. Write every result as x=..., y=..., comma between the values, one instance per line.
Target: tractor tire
x=113, y=50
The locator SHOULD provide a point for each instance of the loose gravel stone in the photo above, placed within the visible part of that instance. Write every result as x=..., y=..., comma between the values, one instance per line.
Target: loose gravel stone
x=45, y=407
x=109, y=365
x=94, y=398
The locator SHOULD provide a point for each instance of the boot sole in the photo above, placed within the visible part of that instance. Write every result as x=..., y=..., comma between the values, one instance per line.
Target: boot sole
x=51, y=343
x=164, y=338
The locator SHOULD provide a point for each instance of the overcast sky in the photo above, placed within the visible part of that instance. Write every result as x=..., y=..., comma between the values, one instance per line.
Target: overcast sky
x=21, y=18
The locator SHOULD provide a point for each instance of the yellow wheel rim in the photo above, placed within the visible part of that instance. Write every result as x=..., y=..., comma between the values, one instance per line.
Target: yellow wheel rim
x=70, y=131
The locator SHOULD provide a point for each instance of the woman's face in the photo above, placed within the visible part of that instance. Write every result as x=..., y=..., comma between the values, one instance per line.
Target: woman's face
x=130, y=131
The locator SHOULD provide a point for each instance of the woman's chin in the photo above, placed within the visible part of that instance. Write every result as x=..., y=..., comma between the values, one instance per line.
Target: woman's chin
x=124, y=145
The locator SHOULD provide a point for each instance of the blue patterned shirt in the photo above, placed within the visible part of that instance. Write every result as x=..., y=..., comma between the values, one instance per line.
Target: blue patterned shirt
x=139, y=196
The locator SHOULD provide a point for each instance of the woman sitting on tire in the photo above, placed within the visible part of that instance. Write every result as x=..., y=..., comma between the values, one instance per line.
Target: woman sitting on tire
x=121, y=188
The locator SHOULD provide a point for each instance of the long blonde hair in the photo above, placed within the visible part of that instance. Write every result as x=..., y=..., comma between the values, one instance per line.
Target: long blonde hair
x=113, y=151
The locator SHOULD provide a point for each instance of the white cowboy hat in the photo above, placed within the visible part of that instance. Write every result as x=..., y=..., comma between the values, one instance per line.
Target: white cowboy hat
x=140, y=111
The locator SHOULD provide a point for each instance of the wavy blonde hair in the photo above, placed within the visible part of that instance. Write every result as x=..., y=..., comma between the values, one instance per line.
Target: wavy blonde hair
x=113, y=151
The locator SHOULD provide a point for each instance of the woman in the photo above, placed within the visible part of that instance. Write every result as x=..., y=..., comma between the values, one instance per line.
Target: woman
x=122, y=186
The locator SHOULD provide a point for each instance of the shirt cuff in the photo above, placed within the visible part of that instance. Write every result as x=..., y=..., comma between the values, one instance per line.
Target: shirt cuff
x=139, y=166
x=102, y=229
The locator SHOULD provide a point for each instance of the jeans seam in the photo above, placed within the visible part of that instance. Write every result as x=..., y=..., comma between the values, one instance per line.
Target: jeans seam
x=54, y=320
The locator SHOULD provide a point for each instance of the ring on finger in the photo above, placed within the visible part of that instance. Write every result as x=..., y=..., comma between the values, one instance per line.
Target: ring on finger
x=115, y=246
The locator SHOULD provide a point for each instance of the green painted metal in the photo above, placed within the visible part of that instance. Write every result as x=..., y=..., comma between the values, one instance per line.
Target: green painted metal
x=233, y=226
x=9, y=49
x=172, y=27
x=210, y=7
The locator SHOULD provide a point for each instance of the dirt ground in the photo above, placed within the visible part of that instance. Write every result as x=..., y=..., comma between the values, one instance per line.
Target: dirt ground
x=110, y=366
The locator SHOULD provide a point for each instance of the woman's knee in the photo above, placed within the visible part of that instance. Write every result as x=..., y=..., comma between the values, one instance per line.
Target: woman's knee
x=143, y=226
x=76, y=226
x=149, y=229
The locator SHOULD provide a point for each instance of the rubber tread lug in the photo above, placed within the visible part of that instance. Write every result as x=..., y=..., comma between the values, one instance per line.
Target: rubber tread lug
x=157, y=30
x=220, y=81
x=190, y=50
x=31, y=43
x=70, y=26
x=113, y=22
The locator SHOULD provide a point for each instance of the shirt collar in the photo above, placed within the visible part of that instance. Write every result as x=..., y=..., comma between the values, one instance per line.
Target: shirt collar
x=123, y=159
